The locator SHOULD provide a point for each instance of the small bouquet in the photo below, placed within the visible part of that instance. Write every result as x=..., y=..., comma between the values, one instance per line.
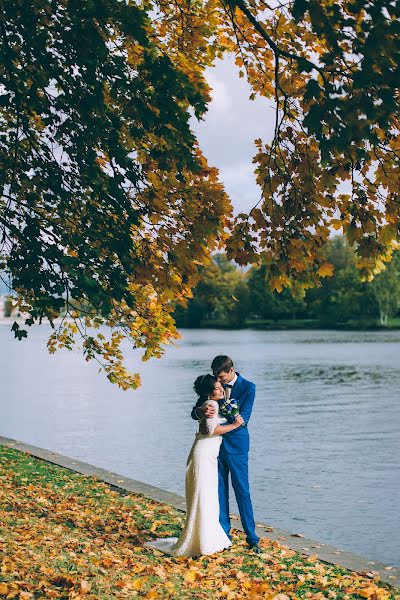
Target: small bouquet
x=229, y=408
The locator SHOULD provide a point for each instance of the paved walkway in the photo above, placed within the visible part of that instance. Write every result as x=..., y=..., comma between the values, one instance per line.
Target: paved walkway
x=388, y=573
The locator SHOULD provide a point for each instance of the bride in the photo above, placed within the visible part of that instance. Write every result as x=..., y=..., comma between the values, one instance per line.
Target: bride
x=202, y=532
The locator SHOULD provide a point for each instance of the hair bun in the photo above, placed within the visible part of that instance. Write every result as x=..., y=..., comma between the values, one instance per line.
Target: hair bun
x=204, y=385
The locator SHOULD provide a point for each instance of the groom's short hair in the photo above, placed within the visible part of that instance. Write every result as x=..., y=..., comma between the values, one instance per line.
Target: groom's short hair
x=221, y=363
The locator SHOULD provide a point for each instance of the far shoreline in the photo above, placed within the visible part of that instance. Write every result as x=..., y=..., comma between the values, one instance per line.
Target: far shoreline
x=261, y=325
x=295, y=325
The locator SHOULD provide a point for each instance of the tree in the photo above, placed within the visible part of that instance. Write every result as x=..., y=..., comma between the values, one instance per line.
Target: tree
x=386, y=288
x=268, y=304
x=106, y=198
x=226, y=296
x=343, y=298
x=107, y=205
x=221, y=296
x=332, y=70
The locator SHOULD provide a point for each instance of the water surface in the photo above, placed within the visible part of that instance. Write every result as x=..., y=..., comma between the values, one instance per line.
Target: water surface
x=325, y=443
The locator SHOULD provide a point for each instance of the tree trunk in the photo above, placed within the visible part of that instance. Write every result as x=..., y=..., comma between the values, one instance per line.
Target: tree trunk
x=383, y=317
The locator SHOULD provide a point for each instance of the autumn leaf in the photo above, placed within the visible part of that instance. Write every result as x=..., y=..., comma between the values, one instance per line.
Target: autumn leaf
x=139, y=583
x=85, y=587
x=191, y=576
x=325, y=270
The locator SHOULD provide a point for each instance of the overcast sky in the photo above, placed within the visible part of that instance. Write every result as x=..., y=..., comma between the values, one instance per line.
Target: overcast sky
x=229, y=129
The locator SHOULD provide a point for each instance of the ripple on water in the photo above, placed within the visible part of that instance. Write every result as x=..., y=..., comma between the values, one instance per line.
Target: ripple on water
x=331, y=374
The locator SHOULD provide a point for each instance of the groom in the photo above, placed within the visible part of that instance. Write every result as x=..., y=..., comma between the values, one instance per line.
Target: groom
x=233, y=455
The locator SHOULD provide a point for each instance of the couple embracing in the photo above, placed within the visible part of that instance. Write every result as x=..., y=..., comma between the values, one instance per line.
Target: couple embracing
x=221, y=447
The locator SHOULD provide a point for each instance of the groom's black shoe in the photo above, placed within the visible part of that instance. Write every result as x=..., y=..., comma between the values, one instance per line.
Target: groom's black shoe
x=255, y=548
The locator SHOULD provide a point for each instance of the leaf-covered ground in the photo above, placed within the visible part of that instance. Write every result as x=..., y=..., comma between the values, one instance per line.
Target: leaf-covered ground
x=64, y=535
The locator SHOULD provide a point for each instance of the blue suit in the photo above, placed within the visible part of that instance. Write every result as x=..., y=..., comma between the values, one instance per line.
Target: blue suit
x=234, y=459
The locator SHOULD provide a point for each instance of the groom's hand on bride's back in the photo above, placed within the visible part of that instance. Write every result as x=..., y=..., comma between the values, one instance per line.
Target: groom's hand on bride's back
x=210, y=410
x=205, y=410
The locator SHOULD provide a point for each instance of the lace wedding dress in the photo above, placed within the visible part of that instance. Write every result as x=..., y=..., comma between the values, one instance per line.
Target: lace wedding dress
x=202, y=532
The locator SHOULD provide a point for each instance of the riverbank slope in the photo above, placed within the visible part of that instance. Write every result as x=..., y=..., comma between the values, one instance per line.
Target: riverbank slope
x=66, y=535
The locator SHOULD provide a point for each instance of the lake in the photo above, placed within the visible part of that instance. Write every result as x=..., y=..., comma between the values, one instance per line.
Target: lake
x=325, y=443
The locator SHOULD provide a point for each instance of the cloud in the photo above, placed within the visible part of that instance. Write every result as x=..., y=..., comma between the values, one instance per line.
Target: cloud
x=239, y=181
x=229, y=128
x=221, y=101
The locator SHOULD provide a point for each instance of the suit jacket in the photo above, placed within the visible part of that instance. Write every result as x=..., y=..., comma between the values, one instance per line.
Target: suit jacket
x=238, y=440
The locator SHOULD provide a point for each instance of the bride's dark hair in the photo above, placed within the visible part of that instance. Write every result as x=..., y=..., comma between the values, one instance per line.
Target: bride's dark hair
x=204, y=385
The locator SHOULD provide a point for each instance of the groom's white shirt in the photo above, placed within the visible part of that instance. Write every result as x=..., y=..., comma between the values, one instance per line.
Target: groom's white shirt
x=232, y=383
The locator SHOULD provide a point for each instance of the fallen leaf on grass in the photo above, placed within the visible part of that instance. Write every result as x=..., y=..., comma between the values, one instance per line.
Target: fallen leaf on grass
x=160, y=572
x=191, y=576
x=85, y=587
x=63, y=581
x=139, y=583
x=102, y=540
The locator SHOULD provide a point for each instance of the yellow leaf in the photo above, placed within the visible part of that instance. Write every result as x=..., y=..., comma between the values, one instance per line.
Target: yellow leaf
x=277, y=283
x=4, y=589
x=325, y=270
x=191, y=576
x=336, y=223
x=139, y=583
x=155, y=525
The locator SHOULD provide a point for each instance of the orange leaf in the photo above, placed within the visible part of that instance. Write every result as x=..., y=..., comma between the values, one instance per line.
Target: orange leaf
x=325, y=270
x=191, y=576
x=4, y=589
x=139, y=583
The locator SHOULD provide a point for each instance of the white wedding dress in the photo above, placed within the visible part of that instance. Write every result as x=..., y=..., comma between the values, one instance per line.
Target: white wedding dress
x=202, y=532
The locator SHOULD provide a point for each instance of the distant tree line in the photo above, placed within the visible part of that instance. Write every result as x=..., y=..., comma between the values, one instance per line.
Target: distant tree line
x=227, y=296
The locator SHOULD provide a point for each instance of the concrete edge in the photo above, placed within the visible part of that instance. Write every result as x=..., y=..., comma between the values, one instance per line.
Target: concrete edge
x=389, y=574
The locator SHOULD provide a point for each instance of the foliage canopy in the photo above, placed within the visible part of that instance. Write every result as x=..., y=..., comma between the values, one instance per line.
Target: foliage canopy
x=108, y=204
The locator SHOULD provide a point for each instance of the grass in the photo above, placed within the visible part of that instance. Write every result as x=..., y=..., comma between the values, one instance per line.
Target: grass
x=65, y=535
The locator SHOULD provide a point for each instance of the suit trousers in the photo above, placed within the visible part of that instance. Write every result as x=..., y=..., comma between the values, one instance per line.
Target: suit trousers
x=238, y=466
